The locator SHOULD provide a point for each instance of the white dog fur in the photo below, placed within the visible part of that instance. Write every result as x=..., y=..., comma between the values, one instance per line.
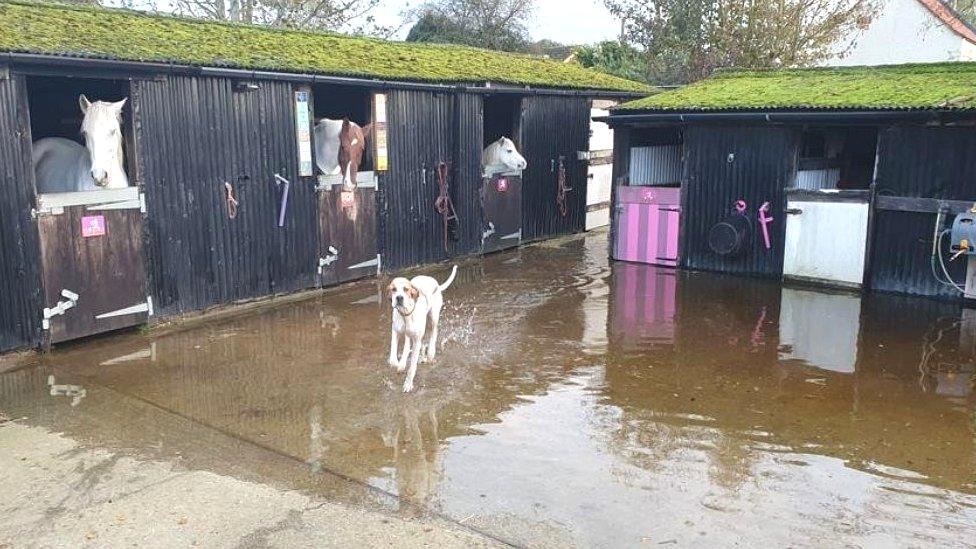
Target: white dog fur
x=416, y=307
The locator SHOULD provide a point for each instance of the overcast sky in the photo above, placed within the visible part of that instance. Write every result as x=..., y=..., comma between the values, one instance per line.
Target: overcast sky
x=566, y=21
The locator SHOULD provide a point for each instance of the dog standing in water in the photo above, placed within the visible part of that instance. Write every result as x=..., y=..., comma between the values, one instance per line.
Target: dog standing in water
x=417, y=307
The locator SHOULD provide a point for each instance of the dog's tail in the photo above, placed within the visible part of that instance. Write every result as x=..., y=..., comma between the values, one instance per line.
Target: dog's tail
x=450, y=279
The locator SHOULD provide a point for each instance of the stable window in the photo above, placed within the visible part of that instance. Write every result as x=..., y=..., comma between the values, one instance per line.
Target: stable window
x=655, y=157
x=82, y=134
x=331, y=105
x=502, y=119
x=836, y=158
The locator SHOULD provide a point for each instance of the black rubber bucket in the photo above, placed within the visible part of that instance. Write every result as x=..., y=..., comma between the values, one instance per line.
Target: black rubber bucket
x=731, y=236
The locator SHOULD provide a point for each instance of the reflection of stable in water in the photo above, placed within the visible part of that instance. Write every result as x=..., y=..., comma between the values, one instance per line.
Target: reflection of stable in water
x=685, y=405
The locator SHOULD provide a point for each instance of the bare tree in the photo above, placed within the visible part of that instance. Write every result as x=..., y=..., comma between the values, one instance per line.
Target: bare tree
x=685, y=40
x=336, y=15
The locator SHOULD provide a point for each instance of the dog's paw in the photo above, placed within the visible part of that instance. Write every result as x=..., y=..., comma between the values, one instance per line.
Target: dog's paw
x=401, y=366
x=407, y=386
x=393, y=362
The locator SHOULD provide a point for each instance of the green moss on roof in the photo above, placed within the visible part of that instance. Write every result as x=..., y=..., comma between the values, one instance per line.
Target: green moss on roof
x=910, y=86
x=125, y=35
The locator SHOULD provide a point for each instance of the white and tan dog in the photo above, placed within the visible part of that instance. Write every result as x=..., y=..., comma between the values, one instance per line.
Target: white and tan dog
x=417, y=307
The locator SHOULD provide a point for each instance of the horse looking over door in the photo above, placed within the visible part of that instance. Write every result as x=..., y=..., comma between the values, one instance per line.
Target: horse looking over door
x=62, y=165
x=339, y=148
x=502, y=156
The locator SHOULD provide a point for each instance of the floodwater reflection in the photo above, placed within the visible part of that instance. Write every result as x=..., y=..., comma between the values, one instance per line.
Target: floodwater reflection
x=579, y=402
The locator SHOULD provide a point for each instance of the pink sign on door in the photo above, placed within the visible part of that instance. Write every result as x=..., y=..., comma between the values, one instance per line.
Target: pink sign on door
x=92, y=225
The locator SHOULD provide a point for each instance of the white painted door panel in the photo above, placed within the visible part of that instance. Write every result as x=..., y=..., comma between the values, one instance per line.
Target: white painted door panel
x=826, y=241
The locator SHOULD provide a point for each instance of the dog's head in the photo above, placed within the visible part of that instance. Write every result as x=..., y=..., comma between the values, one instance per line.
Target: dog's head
x=403, y=296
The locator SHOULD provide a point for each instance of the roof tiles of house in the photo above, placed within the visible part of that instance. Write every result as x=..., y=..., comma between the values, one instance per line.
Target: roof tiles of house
x=79, y=31
x=891, y=87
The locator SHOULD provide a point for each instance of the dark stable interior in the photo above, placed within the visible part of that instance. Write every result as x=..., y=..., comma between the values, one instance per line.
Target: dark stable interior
x=337, y=102
x=501, y=115
x=850, y=150
x=54, y=110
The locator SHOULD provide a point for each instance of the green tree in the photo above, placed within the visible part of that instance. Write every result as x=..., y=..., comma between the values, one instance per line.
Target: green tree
x=616, y=58
x=491, y=24
x=686, y=40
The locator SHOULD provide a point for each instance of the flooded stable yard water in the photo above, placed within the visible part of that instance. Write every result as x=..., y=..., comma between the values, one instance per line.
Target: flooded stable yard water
x=574, y=402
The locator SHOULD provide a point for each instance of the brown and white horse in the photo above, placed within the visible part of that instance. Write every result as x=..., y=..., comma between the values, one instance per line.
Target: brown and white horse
x=339, y=148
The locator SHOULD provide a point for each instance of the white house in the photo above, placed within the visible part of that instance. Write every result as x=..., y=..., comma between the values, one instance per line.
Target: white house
x=912, y=31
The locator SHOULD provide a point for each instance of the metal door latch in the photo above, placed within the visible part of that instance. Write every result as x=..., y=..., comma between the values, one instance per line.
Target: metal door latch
x=329, y=259
x=71, y=299
x=488, y=232
x=793, y=211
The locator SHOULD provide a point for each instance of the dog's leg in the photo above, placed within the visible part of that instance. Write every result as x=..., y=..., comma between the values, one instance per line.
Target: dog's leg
x=435, y=319
x=393, y=347
x=414, y=358
x=402, y=363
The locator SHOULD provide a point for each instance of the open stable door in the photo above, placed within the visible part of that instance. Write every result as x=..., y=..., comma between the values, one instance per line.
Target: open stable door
x=647, y=224
x=501, y=198
x=92, y=264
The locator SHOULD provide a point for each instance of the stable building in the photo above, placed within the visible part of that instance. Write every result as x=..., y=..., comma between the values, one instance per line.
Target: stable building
x=851, y=177
x=224, y=200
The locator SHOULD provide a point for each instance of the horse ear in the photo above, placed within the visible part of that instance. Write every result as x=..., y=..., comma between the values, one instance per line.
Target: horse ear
x=345, y=123
x=83, y=103
x=367, y=129
x=119, y=104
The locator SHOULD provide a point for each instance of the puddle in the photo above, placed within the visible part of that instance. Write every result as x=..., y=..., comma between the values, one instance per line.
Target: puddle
x=572, y=402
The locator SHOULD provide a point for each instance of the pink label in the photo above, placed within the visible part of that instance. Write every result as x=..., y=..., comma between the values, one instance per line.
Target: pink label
x=92, y=225
x=501, y=185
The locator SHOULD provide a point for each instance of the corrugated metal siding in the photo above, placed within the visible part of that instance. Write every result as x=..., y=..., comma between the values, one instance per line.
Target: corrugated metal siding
x=656, y=165
x=814, y=180
x=19, y=252
x=553, y=127
x=422, y=133
x=467, y=169
x=918, y=162
x=194, y=134
x=762, y=166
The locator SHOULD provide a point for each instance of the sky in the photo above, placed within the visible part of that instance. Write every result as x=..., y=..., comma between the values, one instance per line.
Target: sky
x=565, y=21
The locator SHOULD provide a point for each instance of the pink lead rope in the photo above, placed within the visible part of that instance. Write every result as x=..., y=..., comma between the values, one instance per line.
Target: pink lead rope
x=765, y=221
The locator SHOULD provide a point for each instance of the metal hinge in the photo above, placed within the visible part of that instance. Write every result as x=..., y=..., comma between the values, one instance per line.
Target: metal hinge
x=517, y=235
x=71, y=299
x=4, y=73
x=145, y=307
x=369, y=263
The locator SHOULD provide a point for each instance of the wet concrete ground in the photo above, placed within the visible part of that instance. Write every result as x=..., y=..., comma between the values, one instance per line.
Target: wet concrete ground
x=574, y=402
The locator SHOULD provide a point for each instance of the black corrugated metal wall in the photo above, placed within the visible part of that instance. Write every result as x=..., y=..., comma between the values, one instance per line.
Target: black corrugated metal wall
x=762, y=165
x=468, y=172
x=422, y=133
x=195, y=134
x=19, y=250
x=918, y=162
x=553, y=126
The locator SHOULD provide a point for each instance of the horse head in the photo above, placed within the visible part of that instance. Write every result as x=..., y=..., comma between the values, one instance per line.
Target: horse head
x=352, y=144
x=102, y=129
x=504, y=153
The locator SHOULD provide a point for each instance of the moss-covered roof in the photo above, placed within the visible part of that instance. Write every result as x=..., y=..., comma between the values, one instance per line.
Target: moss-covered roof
x=80, y=31
x=910, y=86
